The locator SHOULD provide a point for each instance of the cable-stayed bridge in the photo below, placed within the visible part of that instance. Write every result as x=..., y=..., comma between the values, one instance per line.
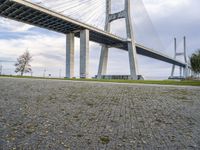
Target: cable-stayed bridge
x=34, y=14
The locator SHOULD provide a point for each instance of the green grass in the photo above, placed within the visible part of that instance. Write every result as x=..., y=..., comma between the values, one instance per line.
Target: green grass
x=104, y=139
x=162, y=82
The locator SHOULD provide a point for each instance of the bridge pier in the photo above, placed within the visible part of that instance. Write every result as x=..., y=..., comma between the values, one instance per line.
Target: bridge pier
x=181, y=72
x=103, y=63
x=84, y=54
x=184, y=71
x=70, y=55
x=131, y=45
x=130, y=40
x=133, y=61
x=189, y=72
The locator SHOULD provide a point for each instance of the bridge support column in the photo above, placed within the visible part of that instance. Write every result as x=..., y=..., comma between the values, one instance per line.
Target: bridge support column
x=132, y=61
x=84, y=54
x=70, y=55
x=173, y=68
x=103, y=62
x=130, y=39
x=190, y=72
x=185, y=71
x=181, y=72
x=131, y=45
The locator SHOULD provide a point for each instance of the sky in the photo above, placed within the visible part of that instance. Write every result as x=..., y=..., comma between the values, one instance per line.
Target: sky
x=155, y=24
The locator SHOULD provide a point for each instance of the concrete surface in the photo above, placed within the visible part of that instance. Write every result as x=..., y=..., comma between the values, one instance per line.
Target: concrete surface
x=50, y=114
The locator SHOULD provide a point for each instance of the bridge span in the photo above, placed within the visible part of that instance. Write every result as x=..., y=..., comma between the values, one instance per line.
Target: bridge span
x=27, y=12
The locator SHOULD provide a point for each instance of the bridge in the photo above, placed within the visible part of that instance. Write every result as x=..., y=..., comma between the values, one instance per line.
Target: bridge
x=33, y=14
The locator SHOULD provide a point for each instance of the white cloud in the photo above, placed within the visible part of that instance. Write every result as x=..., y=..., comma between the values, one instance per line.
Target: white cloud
x=13, y=26
x=48, y=48
x=162, y=8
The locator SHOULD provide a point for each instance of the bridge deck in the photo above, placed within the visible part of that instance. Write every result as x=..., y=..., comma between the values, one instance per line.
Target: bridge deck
x=33, y=14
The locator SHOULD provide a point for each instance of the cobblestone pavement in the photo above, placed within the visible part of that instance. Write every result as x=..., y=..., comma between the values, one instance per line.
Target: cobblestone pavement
x=50, y=114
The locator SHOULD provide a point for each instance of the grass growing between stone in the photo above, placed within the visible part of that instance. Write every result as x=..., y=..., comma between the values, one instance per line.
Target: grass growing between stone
x=104, y=139
x=57, y=114
x=160, y=82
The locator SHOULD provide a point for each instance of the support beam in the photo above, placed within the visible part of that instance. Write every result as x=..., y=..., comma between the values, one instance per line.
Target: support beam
x=175, y=52
x=84, y=54
x=185, y=49
x=103, y=62
x=189, y=72
x=185, y=71
x=131, y=45
x=70, y=55
x=185, y=57
x=132, y=61
x=181, y=72
x=119, y=15
x=130, y=36
x=173, y=69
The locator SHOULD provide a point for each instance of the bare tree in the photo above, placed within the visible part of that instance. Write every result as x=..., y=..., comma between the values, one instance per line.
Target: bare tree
x=23, y=63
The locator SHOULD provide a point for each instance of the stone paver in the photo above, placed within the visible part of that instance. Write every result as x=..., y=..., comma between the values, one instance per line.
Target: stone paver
x=50, y=114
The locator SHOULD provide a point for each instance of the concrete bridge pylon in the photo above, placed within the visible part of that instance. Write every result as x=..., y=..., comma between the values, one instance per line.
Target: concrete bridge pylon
x=184, y=71
x=126, y=14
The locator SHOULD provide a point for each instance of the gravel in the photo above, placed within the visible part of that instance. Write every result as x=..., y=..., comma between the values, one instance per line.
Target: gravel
x=53, y=114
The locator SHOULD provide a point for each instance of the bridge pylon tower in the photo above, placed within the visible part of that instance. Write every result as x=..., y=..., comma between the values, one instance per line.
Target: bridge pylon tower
x=184, y=72
x=126, y=14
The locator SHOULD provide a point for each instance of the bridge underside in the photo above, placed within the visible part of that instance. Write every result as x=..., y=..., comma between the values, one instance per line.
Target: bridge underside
x=32, y=14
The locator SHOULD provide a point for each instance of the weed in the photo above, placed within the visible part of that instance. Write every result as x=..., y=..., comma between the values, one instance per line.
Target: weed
x=104, y=139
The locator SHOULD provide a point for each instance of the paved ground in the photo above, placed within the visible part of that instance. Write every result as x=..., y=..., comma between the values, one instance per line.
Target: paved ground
x=48, y=114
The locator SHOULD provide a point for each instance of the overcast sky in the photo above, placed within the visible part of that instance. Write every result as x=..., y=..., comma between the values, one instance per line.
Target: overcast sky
x=155, y=26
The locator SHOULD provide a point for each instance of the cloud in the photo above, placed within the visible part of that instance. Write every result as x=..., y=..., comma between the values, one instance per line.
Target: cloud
x=160, y=8
x=13, y=26
x=168, y=19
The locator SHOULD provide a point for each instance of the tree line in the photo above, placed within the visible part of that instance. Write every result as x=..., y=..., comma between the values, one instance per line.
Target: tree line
x=195, y=62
